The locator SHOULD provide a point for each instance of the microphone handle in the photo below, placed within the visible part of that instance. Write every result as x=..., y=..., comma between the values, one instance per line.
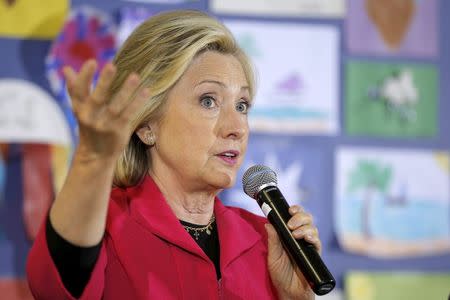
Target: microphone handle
x=276, y=209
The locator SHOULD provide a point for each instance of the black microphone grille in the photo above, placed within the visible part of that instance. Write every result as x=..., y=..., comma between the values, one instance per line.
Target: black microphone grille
x=257, y=176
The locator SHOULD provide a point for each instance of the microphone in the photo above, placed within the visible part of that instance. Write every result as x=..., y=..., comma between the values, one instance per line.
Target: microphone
x=260, y=183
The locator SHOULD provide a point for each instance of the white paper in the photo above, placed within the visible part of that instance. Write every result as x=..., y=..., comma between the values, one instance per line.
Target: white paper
x=297, y=75
x=307, y=8
x=29, y=114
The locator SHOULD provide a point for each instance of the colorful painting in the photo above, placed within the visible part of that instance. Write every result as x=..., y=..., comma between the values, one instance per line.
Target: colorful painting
x=393, y=28
x=392, y=203
x=35, y=151
x=283, y=8
x=88, y=33
x=395, y=100
x=397, y=286
x=32, y=19
x=297, y=93
x=42, y=169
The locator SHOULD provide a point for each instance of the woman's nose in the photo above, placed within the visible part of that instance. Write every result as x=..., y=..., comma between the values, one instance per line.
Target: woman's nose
x=233, y=124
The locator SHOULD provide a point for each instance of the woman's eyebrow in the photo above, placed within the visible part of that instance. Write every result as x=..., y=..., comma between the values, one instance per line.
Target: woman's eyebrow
x=246, y=87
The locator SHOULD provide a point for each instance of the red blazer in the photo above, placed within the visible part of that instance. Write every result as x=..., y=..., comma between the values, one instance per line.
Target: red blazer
x=147, y=254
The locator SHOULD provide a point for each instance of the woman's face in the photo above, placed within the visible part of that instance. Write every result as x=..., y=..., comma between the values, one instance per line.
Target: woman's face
x=202, y=138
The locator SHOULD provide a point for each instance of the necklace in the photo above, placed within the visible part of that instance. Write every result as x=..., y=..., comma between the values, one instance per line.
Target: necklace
x=198, y=230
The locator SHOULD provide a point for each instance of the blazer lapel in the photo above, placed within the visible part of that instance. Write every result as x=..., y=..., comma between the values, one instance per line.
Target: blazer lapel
x=235, y=235
x=150, y=209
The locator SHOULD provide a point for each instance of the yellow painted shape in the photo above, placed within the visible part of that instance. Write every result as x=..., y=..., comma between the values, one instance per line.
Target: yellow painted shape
x=359, y=287
x=60, y=160
x=32, y=19
x=442, y=158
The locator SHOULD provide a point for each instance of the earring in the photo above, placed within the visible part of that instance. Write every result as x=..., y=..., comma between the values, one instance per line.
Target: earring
x=150, y=139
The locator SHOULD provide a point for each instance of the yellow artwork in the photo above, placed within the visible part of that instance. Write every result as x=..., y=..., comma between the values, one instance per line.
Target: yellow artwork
x=60, y=160
x=32, y=19
x=443, y=160
x=396, y=285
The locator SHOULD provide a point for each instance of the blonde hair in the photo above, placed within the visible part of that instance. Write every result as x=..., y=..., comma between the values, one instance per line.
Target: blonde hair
x=160, y=50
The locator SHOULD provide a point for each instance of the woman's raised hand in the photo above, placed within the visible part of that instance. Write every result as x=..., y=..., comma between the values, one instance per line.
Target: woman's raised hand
x=80, y=208
x=104, y=122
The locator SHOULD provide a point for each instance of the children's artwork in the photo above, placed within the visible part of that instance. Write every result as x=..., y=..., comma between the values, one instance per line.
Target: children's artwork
x=35, y=137
x=298, y=174
x=130, y=18
x=397, y=286
x=297, y=93
x=396, y=100
x=161, y=1
x=30, y=114
x=32, y=19
x=394, y=28
x=283, y=8
x=33, y=176
x=43, y=168
x=88, y=33
x=392, y=203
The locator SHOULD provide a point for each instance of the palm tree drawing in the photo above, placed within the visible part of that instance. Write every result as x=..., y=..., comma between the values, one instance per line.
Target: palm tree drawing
x=370, y=177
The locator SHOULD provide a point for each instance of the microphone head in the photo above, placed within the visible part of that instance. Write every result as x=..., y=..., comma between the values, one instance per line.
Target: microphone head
x=257, y=176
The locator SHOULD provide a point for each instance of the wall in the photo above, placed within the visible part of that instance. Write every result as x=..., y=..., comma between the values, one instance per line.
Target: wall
x=307, y=161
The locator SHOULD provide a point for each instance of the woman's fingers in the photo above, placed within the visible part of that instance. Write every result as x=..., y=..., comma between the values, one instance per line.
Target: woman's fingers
x=302, y=227
x=71, y=77
x=104, y=81
x=94, y=107
x=308, y=232
x=104, y=120
x=79, y=84
x=122, y=98
x=295, y=209
x=94, y=104
x=85, y=77
x=136, y=104
x=299, y=219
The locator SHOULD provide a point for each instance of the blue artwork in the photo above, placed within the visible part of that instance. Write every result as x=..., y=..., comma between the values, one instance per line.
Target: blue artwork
x=385, y=206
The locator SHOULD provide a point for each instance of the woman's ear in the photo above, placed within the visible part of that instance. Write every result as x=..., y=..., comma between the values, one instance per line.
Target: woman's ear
x=146, y=135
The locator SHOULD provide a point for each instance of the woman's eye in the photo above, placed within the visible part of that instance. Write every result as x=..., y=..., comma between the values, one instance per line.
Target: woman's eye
x=242, y=107
x=208, y=102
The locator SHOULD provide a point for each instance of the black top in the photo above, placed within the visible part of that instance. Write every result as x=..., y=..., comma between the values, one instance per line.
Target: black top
x=208, y=242
x=75, y=263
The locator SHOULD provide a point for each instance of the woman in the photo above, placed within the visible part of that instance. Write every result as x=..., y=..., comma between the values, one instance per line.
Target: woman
x=166, y=125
